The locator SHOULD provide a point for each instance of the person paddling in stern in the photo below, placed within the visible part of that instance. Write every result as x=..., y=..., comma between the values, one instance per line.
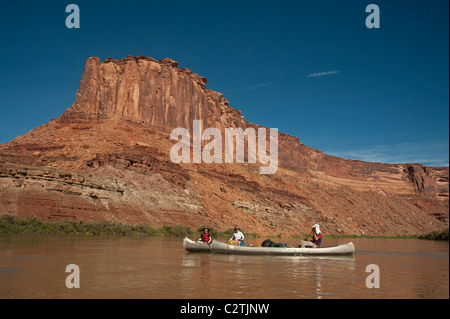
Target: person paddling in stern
x=316, y=241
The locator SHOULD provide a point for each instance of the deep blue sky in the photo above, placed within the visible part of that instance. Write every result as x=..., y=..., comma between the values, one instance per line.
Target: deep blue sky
x=385, y=97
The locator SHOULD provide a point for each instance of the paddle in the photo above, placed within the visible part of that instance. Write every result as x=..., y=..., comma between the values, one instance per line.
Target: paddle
x=309, y=234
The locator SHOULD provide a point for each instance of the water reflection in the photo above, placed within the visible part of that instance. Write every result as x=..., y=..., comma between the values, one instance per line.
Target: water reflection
x=266, y=276
x=160, y=268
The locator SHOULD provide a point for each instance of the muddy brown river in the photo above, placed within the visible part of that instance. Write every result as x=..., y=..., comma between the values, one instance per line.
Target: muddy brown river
x=35, y=267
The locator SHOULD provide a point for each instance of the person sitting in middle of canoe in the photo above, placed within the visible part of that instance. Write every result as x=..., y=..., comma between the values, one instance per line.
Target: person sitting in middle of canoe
x=238, y=237
x=205, y=236
x=316, y=241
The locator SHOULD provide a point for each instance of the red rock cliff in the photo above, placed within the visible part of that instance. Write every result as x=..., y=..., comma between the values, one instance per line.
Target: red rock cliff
x=107, y=157
x=162, y=95
x=146, y=91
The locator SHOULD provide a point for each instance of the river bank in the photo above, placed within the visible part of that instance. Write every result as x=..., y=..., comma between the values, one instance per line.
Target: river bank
x=436, y=235
x=10, y=224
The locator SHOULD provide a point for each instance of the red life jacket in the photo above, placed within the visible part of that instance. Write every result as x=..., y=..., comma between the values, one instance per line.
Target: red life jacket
x=205, y=237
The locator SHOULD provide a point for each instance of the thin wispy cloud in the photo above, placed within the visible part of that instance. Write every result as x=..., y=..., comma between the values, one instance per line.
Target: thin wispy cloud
x=320, y=74
x=434, y=153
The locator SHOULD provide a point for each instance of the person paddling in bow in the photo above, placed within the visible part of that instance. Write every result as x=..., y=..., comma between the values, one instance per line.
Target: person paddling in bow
x=205, y=236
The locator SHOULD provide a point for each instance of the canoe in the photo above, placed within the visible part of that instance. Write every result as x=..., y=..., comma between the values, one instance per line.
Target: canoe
x=195, y=246
x=223, y=248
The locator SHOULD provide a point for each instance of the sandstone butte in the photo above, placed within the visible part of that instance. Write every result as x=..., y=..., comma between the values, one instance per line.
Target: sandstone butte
x=108, y=158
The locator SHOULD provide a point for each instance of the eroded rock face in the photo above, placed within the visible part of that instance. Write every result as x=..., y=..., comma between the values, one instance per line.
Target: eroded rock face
x=107, y=157
x=150, y=92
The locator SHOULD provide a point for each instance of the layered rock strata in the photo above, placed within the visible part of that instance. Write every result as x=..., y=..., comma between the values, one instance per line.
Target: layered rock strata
x=107, y=157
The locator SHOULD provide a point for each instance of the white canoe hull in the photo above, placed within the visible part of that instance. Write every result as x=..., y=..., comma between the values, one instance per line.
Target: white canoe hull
x=195, y=246
x=222, y=248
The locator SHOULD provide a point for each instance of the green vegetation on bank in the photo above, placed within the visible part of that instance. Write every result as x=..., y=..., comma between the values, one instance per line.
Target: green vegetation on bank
x=436, y=235
x=10, y=224
x=33, y=225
